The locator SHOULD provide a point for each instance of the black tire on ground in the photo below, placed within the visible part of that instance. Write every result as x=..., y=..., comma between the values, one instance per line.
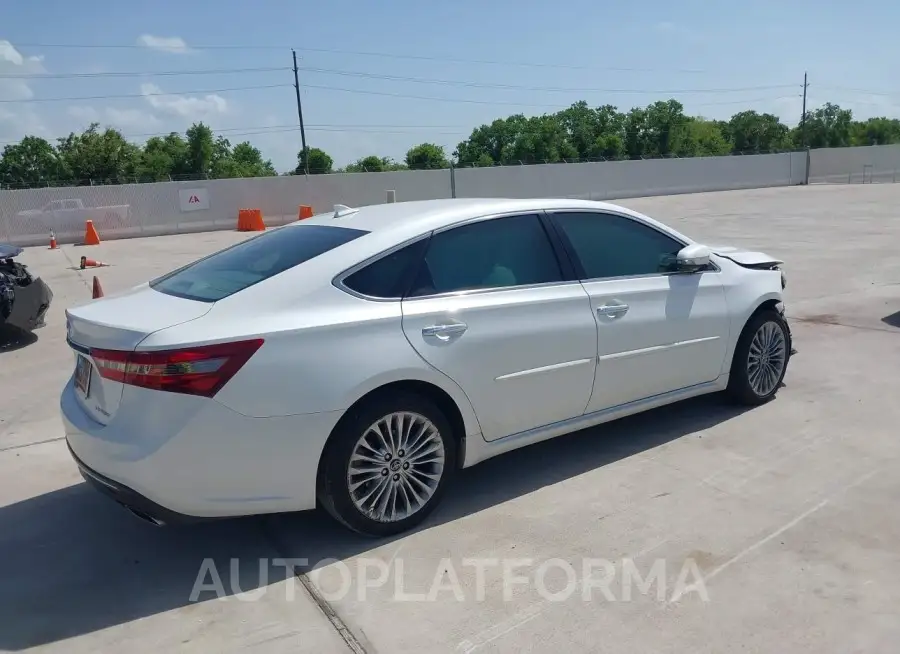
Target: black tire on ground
x=739, y=388
x=334, y=493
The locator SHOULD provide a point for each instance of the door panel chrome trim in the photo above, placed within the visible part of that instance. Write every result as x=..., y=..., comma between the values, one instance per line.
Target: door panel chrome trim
x=656, y=348
x=551, y=368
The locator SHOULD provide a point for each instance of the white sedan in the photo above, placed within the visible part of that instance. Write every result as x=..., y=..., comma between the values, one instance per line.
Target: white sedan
x=357, y=359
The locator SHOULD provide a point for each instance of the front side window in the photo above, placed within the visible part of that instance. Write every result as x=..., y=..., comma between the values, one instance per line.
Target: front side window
x=496, y=253
x=614, y=246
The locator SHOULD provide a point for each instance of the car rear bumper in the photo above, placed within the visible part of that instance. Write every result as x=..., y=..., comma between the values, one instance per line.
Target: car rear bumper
x=142, y=507
x=191, y=458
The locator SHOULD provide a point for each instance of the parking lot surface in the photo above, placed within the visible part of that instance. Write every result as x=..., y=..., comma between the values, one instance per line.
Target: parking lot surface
x=697, y=527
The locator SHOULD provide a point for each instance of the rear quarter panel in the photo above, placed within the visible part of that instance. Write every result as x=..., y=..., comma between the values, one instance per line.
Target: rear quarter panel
x=322, y=353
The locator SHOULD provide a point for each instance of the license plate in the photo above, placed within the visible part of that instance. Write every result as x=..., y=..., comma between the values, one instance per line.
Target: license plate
x=83, y=375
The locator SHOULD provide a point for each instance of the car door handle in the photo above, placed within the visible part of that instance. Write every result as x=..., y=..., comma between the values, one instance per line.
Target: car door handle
x=445, y=332
x=613, y=310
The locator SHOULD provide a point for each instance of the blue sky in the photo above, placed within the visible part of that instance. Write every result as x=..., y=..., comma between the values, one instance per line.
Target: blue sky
x=623, y=53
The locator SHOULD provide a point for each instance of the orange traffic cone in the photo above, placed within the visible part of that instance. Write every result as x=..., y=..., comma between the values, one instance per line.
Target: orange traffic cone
x=305, y=211
x=97, y=291
x=91, y=263
x=91, y=237
x=250, y=220
x=53, y=244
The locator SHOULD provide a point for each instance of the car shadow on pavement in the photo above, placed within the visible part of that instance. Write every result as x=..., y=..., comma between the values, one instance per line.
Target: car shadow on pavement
x=893, y=320
x=13, y=338
x=315, y=537
x=72, y=562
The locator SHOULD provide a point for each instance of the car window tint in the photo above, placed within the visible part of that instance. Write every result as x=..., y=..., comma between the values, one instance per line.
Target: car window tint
x=240, y=266
x=614, y=246
x=501, y=252
x=391, y=275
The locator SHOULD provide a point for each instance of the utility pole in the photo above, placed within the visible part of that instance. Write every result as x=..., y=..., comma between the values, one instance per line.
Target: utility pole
x=803, y=133
x=803, y=117
x=300, y=115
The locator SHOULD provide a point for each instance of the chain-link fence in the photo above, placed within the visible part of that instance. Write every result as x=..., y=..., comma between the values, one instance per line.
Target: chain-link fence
x=122, y=210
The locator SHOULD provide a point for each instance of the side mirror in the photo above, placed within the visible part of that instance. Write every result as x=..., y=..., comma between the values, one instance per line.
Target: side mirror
x=692, y=258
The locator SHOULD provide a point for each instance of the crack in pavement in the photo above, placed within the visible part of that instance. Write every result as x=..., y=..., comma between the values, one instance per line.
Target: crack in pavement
x=302, y=576
x=9, y=448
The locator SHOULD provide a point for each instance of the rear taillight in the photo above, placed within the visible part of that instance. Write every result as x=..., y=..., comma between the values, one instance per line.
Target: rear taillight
x=201, y=370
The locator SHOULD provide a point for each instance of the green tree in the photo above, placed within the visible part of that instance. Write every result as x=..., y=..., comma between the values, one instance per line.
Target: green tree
x=700, y=138
x=427, y=156
x=828, y=126
x=370, y=164
x=752, y=132
x=489, y=144
x=579, y=132
x=248, y=162
x=542, y=139
x=320, y=163
x=201, y=146
x=30, y=162
x=876, y=131
x=101, y=157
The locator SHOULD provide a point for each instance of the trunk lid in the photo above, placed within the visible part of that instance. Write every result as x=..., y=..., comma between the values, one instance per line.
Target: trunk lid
x=118, y=322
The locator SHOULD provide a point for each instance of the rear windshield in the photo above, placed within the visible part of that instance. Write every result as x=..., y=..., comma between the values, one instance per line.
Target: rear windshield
x=245, y=264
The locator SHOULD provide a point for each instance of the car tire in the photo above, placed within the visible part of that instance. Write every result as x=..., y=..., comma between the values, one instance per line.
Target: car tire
x=391, y=495
x=768, y=335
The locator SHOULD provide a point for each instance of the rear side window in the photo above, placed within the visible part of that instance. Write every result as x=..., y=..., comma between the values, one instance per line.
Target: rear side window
x=245, y=264
x=390, y=276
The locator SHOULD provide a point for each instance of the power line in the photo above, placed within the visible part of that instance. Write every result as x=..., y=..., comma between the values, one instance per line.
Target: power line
x=423, y=80
x=845, y=89
x=323, y=127
x=387, y=55
x=367, y=75
x=495, y=102
x=490, y=62
x=138, y=46
x=370, y=92
x=146, y=95
x=148, y=73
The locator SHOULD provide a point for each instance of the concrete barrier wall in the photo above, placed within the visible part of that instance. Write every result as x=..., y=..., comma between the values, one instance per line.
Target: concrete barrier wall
x=27, y=216
x=627, y=179
x=877, y=163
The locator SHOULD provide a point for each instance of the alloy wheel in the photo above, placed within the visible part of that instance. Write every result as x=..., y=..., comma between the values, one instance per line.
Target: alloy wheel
x=396, y=466
x=767, y=358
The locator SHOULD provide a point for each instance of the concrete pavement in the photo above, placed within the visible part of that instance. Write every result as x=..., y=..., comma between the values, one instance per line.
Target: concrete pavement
x=783, y=517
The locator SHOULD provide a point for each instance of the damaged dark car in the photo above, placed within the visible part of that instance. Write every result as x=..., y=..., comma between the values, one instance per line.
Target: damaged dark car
x=24, y=298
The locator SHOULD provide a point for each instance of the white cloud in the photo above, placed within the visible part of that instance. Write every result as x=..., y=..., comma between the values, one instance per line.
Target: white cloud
x=12, y=63
x=170, y=44
x=10, y=54
x=17, y=120
x=193, y=107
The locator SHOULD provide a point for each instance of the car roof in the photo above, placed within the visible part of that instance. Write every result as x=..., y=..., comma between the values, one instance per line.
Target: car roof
x=405, y=220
